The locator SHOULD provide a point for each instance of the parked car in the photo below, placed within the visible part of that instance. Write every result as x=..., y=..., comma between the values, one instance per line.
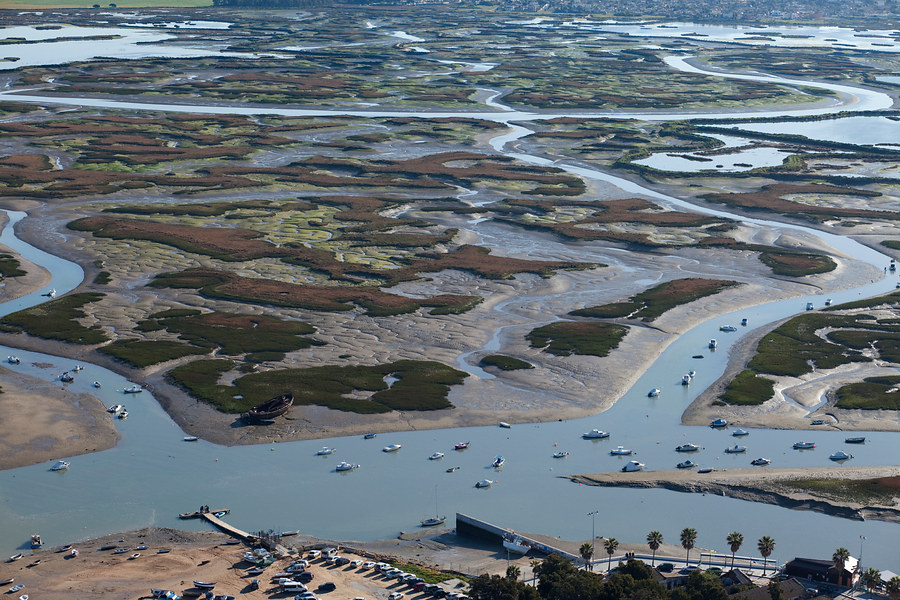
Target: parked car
x=368, y=565
x=418, y=586
x=327, y=587
x=439, y=593
x=304, y=577
x=314, y=554
x=305, y=596
x=395, y=596
x=341, y=561
x=356, y=563
x=689, y=569
x=665, y=568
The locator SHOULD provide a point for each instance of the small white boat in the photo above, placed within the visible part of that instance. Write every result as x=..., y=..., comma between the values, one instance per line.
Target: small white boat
x=560, y=454
x=713, y=344
x=391, y=448
x=705, y=470
x=484, y=483
x=345, y=466
x=498, y=462
x=595, y=434
x=654, y=393
x=692, y=374
x=687, y=448
x=115, y=409
x=74, y=552
x=50, y=294
x=432, y=521
x=453, y=469
x=13, y=360
x=16, y=588
x=828, y=302
x=686, y=380
x=123, y=414
x=804, y=445
x=505, y=425
x=461, y=446
x=740, y=432
x=621, y=451
x=718, y=423
x=632, y=467
x=97, y=384
x=759, y=462
x=687, y=464
x=809, y=306
x=436, y=456
x=134, y=556
x=135, y=389
x=728, y=328
x=735, y=449
x=60, y=465
x=516, y=544
x=190, y=438
x=78, y=368
x=841, y=455
x=23, y=597
x=369, y=436
x=15, y=557
x=324, y=451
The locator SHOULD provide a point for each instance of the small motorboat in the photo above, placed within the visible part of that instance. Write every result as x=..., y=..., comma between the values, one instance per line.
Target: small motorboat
x=67, y=377
x=728, y=328
x=692, y=374
x=827, y=301
x=705, y=470
x=13, y=360
x=809, y=306
x=97, y=385
x=461, y=446
x=498, y=462
x=654, y=393
x=60, y=465
x=50, y=294
x=115, y=409
x=484, y=483
x=16, y=588
x=453, y=469
x=325, y=451
x=595, y=434
x=818, y=422
x=255, y=571
x=369, y=436
x=632, y=467
x=804, y=445
x=744, y=322
x=841, y=455
x=560, y=454
x=190, y=438
x=74, y=552
x=120, y=551
x=687, y=464
x=15, y=557
x=504, y=425
x=686, y=380
x=697, y=356
x=135, y=389
x=77, y=368
x=432, y=521
x=36, y=541
x=163, y=550
x=713, y=344
x=436, y=456
x=7, y=581
x=621, y=451
x=760, y=462
x=855, y=440
x=345, y=466
x=65, y=548
x=134, y=556
x=740, y=432
x=205, y=585
x=687, y=448
x=123, y=414
x=735, y=449
x=391, y=448
x=719, y=423
x=34, y=563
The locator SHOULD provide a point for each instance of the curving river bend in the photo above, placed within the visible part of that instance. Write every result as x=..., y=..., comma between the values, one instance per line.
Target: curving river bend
x=151, y=475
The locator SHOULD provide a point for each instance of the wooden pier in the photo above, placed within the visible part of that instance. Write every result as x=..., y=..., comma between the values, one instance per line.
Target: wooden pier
x=226, y=528
x=197, y=514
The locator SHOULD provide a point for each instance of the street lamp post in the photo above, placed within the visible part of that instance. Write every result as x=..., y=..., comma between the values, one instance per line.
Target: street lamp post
x=593, y=516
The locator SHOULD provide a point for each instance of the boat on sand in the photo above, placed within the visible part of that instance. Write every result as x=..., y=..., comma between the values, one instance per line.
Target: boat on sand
x=275, y=407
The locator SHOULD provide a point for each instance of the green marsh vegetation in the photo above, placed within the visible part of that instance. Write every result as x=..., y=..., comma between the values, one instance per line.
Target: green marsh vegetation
x=565, y=338
x=58, y=320
x=875, y=491
x=652, y=303
x=505, y=363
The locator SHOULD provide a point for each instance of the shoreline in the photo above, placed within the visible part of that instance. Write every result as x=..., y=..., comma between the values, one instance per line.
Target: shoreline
x=755, y=485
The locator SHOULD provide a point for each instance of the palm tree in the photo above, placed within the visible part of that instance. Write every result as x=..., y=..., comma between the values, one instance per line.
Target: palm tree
x=871, y=577
x=513, y=572
x=535, y=571
x=765, y=545
x=839, y=558
x=587, y=553
x=688, y=537
x=610, y=544
x=734, y=540
x=892, y=587
x=654, y=540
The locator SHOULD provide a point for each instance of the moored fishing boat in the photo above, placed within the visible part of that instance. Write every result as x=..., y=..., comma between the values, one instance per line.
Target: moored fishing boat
x=855, y=440
x=560, y=454
x=391, y=448
x=60, y=465
x=654, y=393
x=275, y=407
x=13, y=360
x=461, y=446
x=134, y=389
x=595, y=434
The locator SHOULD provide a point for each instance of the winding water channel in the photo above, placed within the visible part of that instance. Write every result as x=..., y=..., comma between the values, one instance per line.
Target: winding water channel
x=151, y=475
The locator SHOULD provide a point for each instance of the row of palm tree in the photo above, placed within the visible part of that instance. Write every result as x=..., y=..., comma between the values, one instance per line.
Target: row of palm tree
x=689, y=536
x=871, y=578
x=587, y=551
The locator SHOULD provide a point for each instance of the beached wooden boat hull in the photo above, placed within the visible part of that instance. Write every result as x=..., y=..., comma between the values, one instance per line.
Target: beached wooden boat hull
x=270, y=409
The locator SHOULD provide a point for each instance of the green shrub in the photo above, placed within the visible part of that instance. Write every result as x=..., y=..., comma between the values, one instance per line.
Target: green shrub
x=145, y=353
x=747, y=389
x=505, y=363
x=565, y=338
x=55, y=320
